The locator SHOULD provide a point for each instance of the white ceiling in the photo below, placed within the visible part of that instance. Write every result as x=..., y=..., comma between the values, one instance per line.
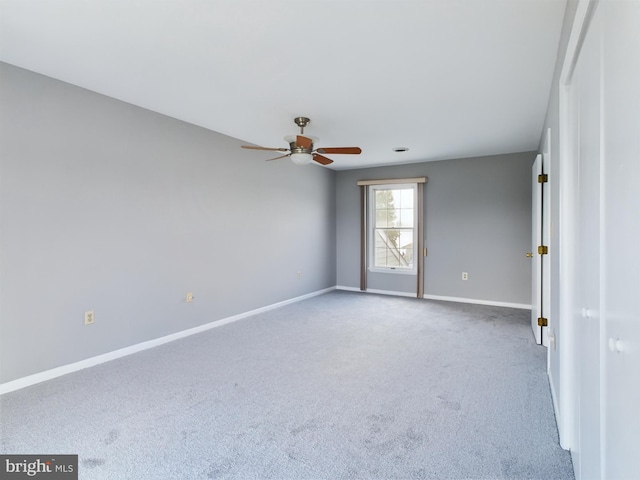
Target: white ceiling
x=445, y=78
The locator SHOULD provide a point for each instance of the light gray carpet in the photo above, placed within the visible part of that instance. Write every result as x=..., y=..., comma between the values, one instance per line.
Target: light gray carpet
x=340, y=386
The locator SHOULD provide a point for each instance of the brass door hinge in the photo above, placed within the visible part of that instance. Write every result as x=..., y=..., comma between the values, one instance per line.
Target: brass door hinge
x=542, y=322
x=543, y=178
x=543, y=250
x=425, y=251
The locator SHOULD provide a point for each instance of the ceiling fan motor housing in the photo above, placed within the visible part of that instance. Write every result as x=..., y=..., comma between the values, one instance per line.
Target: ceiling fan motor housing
x=298, y=149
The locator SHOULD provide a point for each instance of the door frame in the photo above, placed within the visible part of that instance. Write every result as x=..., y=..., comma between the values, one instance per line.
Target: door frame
x=537, y=217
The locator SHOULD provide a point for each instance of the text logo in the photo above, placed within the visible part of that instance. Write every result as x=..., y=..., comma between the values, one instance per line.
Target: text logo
x=51, y=467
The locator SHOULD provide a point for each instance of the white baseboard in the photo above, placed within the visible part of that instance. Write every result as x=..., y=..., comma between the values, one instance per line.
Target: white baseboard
x=522, y=306
x=90, y=362
x=558, y=416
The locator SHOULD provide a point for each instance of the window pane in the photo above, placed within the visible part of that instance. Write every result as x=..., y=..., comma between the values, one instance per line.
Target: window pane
x=384, y=199
x=393, y=248
x=406, y=218
x=406, y=198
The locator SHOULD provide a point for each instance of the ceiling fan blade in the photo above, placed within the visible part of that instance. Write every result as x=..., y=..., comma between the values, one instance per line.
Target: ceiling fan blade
x=351, y=150
x=321, y=160
x=251, y=147
x=303, y=142
x=277, y=158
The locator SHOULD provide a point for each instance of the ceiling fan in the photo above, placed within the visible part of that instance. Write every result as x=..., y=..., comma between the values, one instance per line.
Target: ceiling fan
x=301, y=148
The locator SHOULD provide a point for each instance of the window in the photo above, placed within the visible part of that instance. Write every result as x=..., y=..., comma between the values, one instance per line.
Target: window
x=392, y=231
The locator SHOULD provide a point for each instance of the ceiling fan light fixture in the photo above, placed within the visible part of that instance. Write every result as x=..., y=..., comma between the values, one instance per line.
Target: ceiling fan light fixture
x=301, y=149
x=301, y=158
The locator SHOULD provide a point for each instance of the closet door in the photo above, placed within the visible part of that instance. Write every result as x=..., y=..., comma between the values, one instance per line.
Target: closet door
x=621, y=229
x=585, y=86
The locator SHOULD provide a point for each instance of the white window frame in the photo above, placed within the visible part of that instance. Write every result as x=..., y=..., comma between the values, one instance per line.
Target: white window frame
x=372, y=224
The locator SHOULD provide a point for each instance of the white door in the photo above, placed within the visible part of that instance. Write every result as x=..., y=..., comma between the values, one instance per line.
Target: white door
x=587, y=318
x=621, y=228
x=603, y=367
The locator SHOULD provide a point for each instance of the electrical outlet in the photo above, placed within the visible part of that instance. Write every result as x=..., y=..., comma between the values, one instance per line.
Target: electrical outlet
x=465, y=276
x=299, y=274
x=89, y=317
x=189, y=297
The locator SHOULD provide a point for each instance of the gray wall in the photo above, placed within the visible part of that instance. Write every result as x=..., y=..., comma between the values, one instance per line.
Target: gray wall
x=477, y=220
x=108, y=207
